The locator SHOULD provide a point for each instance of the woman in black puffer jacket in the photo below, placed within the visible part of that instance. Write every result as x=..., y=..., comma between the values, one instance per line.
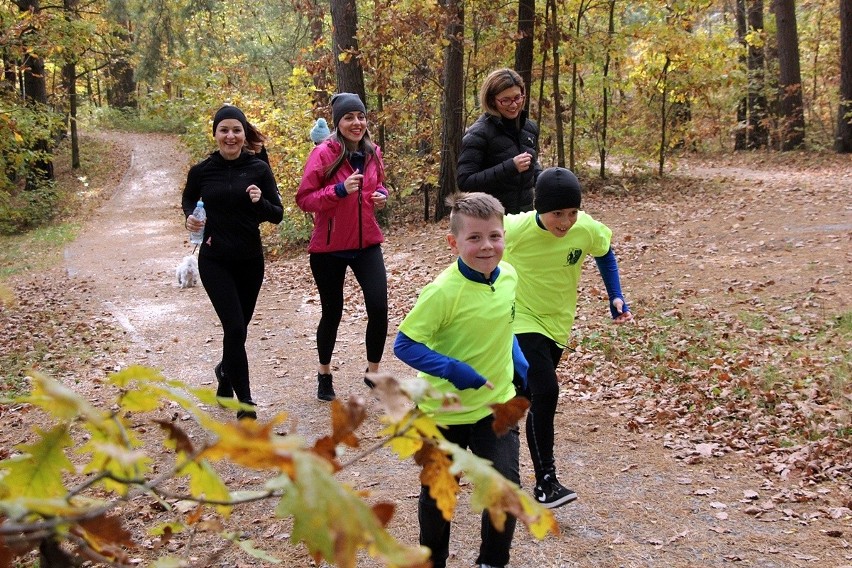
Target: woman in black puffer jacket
x=499, y=152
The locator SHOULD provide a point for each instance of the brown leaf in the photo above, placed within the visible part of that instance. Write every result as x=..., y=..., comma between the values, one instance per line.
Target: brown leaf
x=384, y=512
x=508, y=414
x=178, y=436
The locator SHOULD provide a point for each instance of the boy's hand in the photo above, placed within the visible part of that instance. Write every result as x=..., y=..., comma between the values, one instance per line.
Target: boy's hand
x=622, y=316
x=463, y=376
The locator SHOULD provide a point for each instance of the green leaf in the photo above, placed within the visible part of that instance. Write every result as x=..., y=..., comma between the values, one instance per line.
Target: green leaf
x=60, y=401
x=204, y=482
x=248, y=547
x=169, y=562
x=139, y=401
x=334, y=522
x=497, y=494
x=39, y=472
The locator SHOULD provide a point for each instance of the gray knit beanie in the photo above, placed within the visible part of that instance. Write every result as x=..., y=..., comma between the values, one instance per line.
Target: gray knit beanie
x=341, y=103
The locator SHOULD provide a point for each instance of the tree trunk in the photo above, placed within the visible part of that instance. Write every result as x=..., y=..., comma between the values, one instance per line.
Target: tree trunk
x=35, y=94
x=843, y=137
x=121, y=88
x=791, y=108
x=555, y=35
x=664, y=116
x=69, y=78
x=69, y=73
x=452, y=104
x=524, y=45
x=757, y=132
x=606, y=94
x=347, y=66
x=318, y=64
x=741, y=132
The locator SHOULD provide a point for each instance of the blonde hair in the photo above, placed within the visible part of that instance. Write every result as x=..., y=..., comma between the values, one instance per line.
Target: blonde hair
x=496, y=82
x=474, y=204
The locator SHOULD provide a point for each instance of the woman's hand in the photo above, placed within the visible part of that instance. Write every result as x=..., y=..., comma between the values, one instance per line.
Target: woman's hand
x=192, y=224
x=523, y=161
x=379, y=199
x=254, y=193
x=353, y=182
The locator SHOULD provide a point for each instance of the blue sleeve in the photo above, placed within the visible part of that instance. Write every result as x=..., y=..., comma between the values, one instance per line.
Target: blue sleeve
x=418, y=355
x=340, y=190
x=519, y=361
x=608, y=267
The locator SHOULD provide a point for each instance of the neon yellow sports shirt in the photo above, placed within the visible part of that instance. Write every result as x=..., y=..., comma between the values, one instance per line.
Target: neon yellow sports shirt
x=472, y=322
x=549, y=271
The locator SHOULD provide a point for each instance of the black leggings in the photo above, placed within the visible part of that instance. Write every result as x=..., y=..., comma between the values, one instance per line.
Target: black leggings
x=233, y=287
x=543, y=354
x=329, y=273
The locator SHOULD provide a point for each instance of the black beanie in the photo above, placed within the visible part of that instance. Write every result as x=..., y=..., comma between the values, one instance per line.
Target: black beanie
x=341, y=103
x=556, y=188
x=229, y=111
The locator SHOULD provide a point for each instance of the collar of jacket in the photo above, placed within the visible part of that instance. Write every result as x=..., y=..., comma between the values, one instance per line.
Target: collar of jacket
x=243, y=158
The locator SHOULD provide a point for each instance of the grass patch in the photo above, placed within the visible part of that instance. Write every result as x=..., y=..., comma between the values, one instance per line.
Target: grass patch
x=79, y=192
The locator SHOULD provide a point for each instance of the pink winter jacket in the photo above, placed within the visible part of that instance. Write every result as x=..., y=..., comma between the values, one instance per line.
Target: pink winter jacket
x=340, y=223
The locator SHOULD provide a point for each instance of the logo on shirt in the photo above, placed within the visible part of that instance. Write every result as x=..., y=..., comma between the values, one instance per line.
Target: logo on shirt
x=573, y=256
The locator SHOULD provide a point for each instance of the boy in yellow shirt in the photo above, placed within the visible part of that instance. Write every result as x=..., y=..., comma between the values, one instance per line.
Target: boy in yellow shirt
x=547, y=248
x=459, y=336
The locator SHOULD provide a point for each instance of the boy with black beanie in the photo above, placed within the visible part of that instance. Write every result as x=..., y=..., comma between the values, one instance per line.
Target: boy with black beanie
x=547, y=248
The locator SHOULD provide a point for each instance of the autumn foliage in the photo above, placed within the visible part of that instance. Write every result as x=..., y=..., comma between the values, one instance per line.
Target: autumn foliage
x=63, y=493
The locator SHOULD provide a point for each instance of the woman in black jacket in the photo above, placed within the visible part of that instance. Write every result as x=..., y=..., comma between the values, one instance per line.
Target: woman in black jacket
x=499, y=152
x=239, y=193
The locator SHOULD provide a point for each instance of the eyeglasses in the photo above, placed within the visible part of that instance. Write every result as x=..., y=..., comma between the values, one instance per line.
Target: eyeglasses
x=509, y=101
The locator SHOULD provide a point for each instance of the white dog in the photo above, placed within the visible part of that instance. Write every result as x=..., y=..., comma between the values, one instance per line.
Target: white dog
x=187, y=272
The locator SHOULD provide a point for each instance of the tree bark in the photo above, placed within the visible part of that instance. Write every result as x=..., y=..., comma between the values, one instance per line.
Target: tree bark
x=606, y=91
x=554, y=34
x=741, y=132
x=524, y=45
x=35, y=94
x=791, y=108
x=843, y=137
x=757, y=132
x=347, y=65
x=121, y=87
x=452, y=105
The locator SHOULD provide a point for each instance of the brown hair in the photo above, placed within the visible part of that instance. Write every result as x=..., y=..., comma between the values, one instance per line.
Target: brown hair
x=498, y=81
x=254, y=138
x=474, y=204
x=365, y=145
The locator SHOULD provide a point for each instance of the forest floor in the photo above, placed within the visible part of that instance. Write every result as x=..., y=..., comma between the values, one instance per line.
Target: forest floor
x=713, y=431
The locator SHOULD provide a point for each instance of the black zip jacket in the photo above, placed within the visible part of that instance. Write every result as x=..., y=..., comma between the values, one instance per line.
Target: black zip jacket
x=232, y=229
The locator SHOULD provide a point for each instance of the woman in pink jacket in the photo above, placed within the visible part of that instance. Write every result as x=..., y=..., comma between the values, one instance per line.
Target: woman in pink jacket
x=342, y=187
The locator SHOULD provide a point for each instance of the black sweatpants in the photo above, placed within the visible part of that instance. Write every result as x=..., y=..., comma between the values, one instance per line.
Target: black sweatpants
x=329, y=272
x=233, y=287
x=543, y=355
x=502, y=452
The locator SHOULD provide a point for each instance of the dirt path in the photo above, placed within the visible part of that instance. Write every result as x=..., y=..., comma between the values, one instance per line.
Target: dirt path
x=639, y=505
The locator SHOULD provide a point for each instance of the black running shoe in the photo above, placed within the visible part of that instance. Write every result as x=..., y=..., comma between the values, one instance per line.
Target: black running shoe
x=223, y=388
x=325, y=391
x=367, y=381
x=550, y=493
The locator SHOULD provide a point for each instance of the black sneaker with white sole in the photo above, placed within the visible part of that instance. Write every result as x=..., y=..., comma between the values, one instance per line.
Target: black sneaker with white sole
x=550, y=493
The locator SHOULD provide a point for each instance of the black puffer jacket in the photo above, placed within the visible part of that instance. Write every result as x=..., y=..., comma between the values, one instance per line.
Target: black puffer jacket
x=485, y=161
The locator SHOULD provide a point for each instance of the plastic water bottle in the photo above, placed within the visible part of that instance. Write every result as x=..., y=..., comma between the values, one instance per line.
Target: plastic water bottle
x=195, y=237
